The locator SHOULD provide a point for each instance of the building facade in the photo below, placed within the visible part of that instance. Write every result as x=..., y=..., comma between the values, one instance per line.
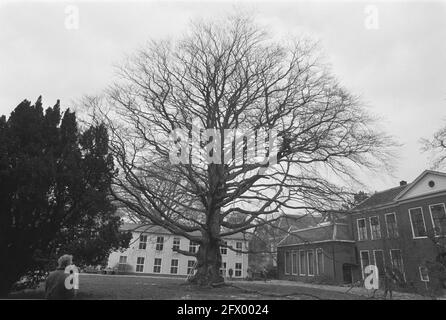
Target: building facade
x=403, y=228
x=151, y=252
x=326, y=251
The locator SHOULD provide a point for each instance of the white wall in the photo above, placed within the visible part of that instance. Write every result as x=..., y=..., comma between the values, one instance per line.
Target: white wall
x=167, y=254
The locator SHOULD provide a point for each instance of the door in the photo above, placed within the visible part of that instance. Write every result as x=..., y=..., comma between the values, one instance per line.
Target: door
x=347, y=273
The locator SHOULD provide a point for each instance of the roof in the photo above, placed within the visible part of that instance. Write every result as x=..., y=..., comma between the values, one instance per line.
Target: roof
x=380, y=198
x=278, y=230
x=297, y=221
x=155, y=229
x=418, y=179
x=321, y=233
x=393, y=195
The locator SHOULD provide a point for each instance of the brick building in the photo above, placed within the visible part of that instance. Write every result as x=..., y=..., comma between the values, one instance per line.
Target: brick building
x=326, y=250
x=403, y=228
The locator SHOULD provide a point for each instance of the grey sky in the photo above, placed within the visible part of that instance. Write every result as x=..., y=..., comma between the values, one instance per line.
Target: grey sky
x=398, y=69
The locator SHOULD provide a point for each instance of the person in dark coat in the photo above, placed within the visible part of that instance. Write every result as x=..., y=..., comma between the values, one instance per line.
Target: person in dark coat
x=389, y=282
x=55, y=288
x=264, y=274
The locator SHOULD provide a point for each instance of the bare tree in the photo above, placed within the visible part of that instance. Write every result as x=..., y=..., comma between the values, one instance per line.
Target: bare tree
x=437, y=147
x=232, y=75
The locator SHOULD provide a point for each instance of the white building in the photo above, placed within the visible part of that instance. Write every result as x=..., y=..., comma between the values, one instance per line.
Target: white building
x=151, y=252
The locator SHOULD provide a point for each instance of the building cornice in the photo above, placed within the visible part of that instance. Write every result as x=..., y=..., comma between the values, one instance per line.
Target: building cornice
x=315, y=242
x=397, y=203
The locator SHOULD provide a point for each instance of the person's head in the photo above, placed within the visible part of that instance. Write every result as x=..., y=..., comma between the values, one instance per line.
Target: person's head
x=64, y=261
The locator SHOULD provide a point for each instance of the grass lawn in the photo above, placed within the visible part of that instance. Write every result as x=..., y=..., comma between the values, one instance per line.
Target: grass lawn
x=135, y=287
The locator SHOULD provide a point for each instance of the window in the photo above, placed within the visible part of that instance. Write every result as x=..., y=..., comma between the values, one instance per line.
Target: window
x=139, y=264
x=287, y=262
x=159, y=243
x=319, y=261
x=295, y=263
x=176, y=244
x=391, y=226
x=223, y=269
x=438, y=216
x=157, y=265
x=424, y=275
x=122, y=263
x=142, y=242
x=239, y=246
x=379, y=261
x=365, y=261
x=397, y=260
x=303, y=263
x=193, y=247
x=223, y=249
x=174, y=266
x=417, y=222
x=362, y=231
x=190, y=267
x=238, y=269
x=375, y=228
x=310, y=255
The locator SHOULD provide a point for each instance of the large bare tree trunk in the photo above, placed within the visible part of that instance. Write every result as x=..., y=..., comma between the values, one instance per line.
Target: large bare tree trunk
x=208, y=264
x=209, y=255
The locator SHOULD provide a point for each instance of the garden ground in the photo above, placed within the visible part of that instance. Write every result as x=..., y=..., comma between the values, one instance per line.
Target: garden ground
x=93, y=286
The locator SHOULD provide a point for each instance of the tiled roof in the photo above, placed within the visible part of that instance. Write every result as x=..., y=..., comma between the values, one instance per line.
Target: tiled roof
x=151, y=228
x=380, y=198
x=280, y=228
x=297, y=221
x=326, y=232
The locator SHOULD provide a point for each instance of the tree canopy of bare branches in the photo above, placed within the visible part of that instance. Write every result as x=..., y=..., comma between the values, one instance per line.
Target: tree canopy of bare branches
x=437, y=147
x=222, y=75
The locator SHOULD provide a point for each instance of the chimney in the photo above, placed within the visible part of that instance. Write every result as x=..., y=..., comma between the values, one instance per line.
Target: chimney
x=403, y=183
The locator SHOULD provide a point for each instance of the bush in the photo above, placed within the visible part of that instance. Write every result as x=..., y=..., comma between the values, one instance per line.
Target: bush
x=437, y=274
x=123, y=268
x=324, y=280
x=271, y=272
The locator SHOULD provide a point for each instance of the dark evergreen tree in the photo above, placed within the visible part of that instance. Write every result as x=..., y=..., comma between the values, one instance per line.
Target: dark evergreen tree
x=54, y=192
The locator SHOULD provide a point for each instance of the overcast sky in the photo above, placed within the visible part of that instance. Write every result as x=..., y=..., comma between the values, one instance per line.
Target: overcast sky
x=397, y=66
